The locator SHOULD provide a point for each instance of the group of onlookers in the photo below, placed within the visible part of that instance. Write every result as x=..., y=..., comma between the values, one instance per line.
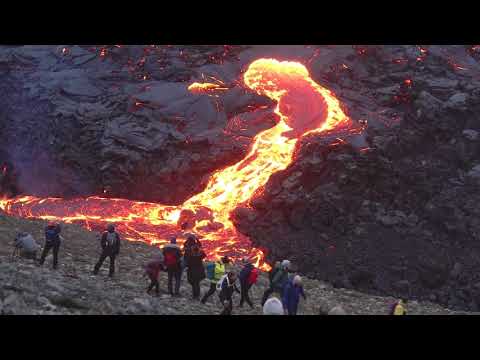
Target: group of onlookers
x=175, y=260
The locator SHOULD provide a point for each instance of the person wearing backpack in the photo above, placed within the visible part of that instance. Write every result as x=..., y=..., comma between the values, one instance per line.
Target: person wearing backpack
x=190, y=243
x=152, y=270
x=291, y=295
x=226, y=287
x=52, y=242
x=215, y=271
x=399, y=307
x=278, y=282
x=173, y=257
x=195, y=269
x=110, y=243
x=248, y=276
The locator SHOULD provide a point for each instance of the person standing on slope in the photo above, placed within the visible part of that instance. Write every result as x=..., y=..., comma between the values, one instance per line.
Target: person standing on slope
x=110, y=243
x=215, y=271
x=248, y=276
x=173, y=262
x=291, y=295
x=190, y=242
x=278, y=281
x=227, y=286
x=195, y=269
x=52, y=242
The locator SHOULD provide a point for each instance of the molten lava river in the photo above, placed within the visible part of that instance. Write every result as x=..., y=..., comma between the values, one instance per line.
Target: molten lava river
x=304, y=107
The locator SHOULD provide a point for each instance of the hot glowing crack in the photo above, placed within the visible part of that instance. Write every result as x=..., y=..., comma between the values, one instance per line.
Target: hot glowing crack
x=304, y=107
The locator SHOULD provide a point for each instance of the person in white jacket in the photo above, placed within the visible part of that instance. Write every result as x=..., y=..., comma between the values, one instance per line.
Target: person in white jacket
x=26, y=244
x=273, y=306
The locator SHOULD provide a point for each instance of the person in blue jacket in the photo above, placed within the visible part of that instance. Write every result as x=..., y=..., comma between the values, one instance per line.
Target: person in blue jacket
x=291, y=295
x=52, y=242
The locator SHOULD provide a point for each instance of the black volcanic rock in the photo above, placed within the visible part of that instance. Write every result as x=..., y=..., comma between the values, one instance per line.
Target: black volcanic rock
x=400, y=218
x=80, y=122
x=393, y=211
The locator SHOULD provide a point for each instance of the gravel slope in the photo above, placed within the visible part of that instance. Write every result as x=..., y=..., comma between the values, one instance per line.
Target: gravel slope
x=28, y=289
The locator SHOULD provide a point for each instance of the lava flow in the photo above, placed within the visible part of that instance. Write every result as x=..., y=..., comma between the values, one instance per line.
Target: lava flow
x=303, y=107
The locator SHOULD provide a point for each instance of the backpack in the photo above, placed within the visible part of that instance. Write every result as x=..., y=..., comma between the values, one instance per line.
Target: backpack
x=245, y=273
x=220, y=282
x=252, y=277
x=111, y=239
x=170, y=258
x=210, y=270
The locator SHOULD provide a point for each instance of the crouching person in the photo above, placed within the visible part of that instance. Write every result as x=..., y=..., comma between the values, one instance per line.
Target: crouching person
x=110, y=243
x=26, y=246
x=152, y=270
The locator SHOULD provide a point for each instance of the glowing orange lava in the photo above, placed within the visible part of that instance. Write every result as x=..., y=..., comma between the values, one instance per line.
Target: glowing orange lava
x=205, y=87
x=304, y=107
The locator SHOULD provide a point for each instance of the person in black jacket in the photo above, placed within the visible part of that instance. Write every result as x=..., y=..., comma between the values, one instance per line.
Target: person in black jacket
x=195, y=269
x=226, y=293
x=245, y=276
x=110, y=248
x=52, y=242
x=190, y=243
x=173, y=255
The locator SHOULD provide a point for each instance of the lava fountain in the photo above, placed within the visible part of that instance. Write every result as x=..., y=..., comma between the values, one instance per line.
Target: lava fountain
x=303, y=107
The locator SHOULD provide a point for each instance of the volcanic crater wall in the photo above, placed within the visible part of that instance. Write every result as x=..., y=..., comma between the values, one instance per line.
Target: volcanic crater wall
x=82, y=120
x=399, y=218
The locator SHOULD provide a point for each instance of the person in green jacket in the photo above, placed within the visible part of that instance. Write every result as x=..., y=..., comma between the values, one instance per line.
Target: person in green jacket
x=215, y=272
x=278, y=280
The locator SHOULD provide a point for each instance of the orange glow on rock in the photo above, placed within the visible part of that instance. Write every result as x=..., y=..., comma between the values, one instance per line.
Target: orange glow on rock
x=304, y=107
x=205, y=87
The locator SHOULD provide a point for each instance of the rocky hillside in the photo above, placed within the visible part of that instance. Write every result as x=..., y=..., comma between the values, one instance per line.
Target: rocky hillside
x=398, y=217
x=402, y=217
x=28, y=289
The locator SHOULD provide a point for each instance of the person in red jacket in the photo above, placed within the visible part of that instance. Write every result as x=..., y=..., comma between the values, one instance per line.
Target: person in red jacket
x=152, y=270
x=173, y=255
x=248, y=276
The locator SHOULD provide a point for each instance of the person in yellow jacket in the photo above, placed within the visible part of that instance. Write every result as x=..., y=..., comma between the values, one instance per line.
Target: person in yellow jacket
x=215, y=272
x=400, y=308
